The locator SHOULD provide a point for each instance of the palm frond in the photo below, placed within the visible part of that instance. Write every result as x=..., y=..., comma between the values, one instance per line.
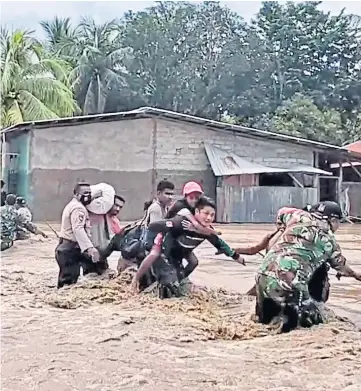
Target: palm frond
x=53, y=93
x=13, y=115
x=34, y=109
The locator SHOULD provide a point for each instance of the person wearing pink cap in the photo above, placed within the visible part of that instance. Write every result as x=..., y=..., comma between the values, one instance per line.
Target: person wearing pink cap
x=192, y=192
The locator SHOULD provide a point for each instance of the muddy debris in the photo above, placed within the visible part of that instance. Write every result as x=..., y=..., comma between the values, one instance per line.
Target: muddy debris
x=212, y=313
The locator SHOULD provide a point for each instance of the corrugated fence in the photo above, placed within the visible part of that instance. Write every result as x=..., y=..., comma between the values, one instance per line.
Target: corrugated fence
x=259, y=204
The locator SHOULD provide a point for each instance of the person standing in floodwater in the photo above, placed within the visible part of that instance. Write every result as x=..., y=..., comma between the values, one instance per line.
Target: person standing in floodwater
x=75, y=246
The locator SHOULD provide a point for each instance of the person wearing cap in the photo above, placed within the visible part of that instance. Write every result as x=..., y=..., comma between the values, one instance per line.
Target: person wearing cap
x=186, y=207
x=25, y=214
x=192, y=192
x=282, y=283
x=173, y=243
x=11, y=220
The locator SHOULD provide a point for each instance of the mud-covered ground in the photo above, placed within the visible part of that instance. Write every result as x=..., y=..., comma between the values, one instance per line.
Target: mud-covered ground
x=97, y=336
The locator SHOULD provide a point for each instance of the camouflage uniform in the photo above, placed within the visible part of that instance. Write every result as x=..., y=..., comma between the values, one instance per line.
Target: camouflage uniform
x=25, y=215
x=286, y=270
x=10, y=221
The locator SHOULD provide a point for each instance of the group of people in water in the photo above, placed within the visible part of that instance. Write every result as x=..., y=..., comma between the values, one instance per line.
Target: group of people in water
x=16, y=221
x=291, y=281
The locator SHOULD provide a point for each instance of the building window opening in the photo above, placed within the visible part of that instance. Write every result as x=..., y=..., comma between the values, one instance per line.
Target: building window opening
x=276, y=179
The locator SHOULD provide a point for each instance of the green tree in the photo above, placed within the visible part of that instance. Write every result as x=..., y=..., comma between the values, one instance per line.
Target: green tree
x=303, y=50
x=300, y=117
x=98, y=58
x=184, y=56
x=33, y=85
x=59, y=39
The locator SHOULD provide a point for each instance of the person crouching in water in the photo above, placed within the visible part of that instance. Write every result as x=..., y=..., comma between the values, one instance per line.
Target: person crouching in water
x=11, y=221
x=129, y=241
x=282, y=282
x=173, y=243
x=25, y=215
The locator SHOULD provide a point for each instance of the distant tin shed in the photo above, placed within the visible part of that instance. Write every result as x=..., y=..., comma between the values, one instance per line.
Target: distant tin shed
x=251, y=192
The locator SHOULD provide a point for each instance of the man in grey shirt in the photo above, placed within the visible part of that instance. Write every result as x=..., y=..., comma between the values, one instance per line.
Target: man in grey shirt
x=158, y=209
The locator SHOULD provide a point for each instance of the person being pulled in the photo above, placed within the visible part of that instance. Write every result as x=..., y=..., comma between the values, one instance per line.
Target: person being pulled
x=11, y=221
x=75, y=247
x=173, y=243
x=282, y=283
x=186, y=206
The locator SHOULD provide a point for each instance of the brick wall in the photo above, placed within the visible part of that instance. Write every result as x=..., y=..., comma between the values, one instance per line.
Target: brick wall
x=180, y=153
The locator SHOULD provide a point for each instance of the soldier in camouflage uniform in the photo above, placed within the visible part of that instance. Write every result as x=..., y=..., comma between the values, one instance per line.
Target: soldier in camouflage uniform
x=282, y=282
x=11, y=220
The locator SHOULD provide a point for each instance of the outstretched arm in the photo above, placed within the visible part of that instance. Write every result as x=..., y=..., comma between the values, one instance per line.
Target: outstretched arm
x=262, y=245
x=29, y=226
x=224, y=248
x=338, y=262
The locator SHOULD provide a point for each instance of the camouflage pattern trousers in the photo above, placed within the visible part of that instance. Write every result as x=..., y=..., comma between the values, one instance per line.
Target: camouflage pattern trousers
x=277, y=303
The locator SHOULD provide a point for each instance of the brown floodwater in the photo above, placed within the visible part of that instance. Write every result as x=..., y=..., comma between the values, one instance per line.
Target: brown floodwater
x=97, y=336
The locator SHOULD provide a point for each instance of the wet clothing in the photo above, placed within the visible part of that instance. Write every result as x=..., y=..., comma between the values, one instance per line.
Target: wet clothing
x=10, y=221
x=70, y=260
x=103, y=228
x=176, y=244
x=319, y=285
x=286, y=271
x=177, y=207
x=25, y=214
x=73, y=242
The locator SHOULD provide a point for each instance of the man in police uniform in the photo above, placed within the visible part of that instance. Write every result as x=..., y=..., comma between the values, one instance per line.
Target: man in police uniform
x=75, y=246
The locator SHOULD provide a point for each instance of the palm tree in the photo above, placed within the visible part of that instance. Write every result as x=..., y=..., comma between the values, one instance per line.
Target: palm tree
x=99, y=71
x=60, y=37
x=34, y=85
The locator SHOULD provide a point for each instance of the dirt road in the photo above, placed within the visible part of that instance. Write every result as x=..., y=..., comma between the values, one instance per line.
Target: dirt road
x=108, y=341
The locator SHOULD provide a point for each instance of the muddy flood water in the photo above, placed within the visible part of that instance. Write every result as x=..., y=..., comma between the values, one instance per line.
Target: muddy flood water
x=97, y=336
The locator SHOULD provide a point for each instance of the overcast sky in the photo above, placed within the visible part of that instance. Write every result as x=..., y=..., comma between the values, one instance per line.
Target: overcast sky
x=27, y=14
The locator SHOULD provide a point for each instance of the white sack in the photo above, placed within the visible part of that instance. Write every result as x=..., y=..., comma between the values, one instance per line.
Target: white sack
x=103, y=204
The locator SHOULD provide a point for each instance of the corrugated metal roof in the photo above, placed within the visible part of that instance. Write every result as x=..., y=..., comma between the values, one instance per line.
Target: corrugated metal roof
x=225, y=163
x=146, y=112
x=308, y=170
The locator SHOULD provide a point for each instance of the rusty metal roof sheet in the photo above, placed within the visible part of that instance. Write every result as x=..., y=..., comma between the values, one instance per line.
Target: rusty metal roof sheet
x=225, y=163
x=354, y=147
